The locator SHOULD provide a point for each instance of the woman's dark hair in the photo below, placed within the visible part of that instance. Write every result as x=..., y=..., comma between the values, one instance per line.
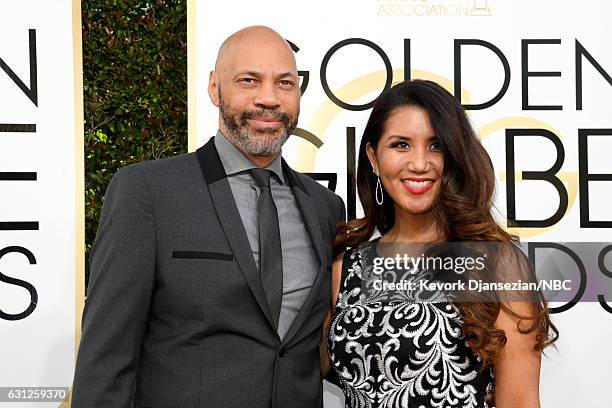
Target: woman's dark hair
x=463, y=208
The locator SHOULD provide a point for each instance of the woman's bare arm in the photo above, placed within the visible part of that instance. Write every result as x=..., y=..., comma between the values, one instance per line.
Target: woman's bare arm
x=517, y=370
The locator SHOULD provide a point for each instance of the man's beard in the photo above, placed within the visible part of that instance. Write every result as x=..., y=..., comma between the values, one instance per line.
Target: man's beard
x=259, y=142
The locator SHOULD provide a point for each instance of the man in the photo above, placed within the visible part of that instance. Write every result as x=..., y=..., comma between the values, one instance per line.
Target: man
x=210, y=273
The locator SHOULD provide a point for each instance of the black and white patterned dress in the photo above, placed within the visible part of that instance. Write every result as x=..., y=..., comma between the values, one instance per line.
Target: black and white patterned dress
x=390, y=350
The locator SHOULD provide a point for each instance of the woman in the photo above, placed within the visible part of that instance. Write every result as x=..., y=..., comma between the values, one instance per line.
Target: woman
x=424, y=177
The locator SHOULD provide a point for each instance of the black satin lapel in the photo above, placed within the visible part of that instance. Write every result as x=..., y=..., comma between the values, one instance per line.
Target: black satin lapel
x=224, y=203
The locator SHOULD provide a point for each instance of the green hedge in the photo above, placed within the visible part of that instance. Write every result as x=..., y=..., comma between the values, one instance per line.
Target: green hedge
x=135, y=90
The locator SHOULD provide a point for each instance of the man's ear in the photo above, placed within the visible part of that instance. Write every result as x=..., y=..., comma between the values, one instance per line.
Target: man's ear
x=213, y=88
x=372, y=157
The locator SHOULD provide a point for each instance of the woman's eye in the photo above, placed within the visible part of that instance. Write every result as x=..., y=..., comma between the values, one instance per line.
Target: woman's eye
x=436, y=146
x=400, y=145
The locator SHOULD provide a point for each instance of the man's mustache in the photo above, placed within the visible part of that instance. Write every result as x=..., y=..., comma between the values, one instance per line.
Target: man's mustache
x=266, y=114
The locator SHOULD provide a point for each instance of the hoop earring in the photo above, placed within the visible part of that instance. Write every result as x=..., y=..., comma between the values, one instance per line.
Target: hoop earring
x=379, y=191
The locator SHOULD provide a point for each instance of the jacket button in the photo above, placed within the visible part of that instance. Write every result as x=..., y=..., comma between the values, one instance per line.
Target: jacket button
x=281, y=352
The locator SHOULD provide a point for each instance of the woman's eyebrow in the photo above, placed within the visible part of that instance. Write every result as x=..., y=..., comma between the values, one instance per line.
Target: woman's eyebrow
x=401, y=137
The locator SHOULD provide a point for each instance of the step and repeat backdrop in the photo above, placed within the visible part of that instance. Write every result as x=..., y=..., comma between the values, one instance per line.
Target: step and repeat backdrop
x=536, y=78
x=41, y=205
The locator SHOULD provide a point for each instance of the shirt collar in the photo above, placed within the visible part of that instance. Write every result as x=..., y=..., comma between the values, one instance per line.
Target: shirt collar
x=234, y=161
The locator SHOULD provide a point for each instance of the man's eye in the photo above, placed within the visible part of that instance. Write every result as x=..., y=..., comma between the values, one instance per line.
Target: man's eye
x=287, y=83
x=247, y=80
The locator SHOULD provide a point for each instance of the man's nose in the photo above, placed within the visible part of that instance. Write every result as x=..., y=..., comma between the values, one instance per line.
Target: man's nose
x=267, y=97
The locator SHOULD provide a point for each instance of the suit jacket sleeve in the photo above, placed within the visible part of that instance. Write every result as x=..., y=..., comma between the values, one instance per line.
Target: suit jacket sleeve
x=342, y=211
x=120, y=289
x=340, y=217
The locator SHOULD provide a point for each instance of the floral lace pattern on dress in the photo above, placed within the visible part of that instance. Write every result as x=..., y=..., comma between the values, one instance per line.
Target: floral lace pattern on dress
x=398, y=350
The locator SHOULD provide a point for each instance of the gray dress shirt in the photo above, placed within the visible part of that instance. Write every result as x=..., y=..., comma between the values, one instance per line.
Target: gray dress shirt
x=299, y=259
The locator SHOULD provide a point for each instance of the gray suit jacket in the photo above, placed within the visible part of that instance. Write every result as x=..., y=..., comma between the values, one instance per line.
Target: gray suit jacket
x=176, y=315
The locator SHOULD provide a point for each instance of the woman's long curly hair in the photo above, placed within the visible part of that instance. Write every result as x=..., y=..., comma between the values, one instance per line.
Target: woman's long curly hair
x=463, y=208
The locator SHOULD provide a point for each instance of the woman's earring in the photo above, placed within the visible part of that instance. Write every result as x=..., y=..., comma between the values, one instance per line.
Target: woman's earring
x=380, y=197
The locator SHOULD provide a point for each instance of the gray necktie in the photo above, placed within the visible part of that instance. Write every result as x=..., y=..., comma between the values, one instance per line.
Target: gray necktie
x=270, y=255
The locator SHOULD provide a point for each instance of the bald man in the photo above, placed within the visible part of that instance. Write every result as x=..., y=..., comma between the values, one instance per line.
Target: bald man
x=211, y=271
